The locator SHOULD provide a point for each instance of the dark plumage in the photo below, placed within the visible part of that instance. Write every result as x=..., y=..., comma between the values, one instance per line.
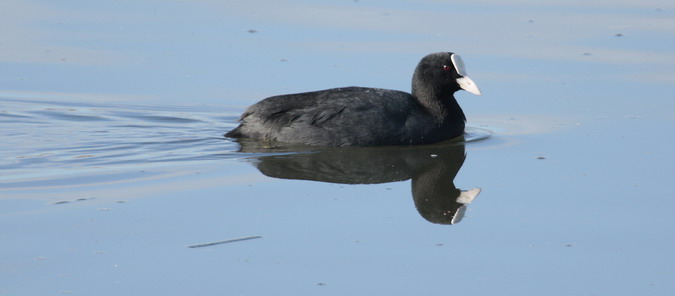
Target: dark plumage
x=358, y=116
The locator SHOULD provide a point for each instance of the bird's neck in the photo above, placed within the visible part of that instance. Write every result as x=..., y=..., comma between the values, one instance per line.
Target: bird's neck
x=441, y=105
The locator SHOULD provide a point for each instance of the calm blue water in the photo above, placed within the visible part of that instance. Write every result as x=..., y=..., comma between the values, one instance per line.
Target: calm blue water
x=112, y=160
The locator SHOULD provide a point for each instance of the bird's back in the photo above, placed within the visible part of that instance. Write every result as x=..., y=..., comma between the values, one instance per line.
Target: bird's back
x=352, y=116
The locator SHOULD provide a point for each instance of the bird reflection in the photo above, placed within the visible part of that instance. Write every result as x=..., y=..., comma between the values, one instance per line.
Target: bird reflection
x=431, y=168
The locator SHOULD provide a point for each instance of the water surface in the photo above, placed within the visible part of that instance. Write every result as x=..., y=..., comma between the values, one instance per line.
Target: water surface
x=112, y=161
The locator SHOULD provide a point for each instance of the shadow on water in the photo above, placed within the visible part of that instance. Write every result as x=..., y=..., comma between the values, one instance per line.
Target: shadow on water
x=431, y=169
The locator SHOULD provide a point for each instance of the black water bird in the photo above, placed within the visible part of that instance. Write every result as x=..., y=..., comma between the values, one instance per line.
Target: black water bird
x=358, y=116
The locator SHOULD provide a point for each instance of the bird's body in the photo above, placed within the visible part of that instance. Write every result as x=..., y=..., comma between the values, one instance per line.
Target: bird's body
x=358, y=116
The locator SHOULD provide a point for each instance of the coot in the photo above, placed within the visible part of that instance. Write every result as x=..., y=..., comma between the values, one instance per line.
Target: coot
x=358, y=116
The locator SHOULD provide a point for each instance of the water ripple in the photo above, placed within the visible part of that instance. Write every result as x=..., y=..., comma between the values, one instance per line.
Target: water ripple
x=68, y=115
x=41, y=135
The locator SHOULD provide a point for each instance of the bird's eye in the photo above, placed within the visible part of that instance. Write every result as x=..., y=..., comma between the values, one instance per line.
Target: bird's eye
x=446, y=68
